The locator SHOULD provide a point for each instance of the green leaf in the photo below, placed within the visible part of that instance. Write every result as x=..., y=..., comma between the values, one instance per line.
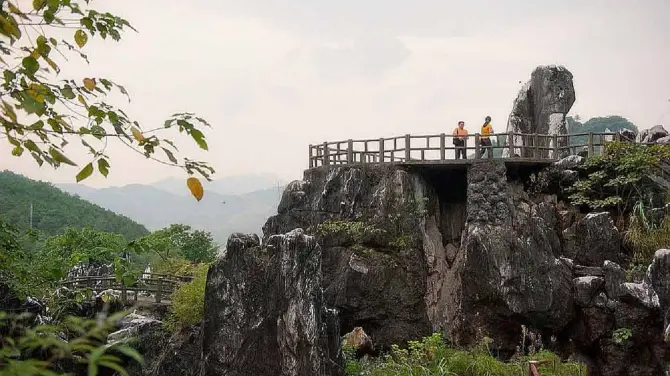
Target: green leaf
x=85, y=172
x=9, y=76
x=39, y=4
x=170, y=155
x=103, y=166
x=59, y=157
x=30, y=145
x=67, y=92
x=31, y=65
x=80, y=37
x=199, y=138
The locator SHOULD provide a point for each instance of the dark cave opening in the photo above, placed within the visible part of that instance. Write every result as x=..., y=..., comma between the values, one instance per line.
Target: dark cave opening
x=449, y=187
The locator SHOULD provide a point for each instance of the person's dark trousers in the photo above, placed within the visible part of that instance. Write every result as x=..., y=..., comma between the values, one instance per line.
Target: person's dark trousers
x=485, y=145
x=460, y=148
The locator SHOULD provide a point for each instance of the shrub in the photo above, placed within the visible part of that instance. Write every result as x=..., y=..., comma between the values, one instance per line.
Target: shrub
x=644, y=236
x=41, y=350
x=188, y=301
x=431, y=356
x=619, y=177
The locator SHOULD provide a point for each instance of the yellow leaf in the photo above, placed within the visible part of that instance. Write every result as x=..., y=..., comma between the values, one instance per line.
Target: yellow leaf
x=52, y=64
x=137, y=134
x=82, y=100
x=89, y=83
x=80, y=37
x=195, y=187
x=36, y=92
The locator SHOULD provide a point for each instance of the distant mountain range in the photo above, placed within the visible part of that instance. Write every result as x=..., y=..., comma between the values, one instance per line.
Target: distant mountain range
x=235, y=204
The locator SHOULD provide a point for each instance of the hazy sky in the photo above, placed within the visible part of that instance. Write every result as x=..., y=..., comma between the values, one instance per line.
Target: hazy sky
x=273, y=76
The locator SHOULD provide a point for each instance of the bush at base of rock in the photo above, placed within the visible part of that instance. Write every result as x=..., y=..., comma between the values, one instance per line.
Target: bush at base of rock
x=431, y=356
x=188, y=301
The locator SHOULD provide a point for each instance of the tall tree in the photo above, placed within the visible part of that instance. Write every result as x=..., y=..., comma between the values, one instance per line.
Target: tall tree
x=41, y=112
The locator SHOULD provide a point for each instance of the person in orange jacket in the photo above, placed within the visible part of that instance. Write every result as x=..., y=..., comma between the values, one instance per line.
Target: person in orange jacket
x=484, y=138
x=460, y=134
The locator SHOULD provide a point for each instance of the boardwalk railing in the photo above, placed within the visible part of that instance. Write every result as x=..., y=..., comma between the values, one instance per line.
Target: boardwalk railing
x=409, y=149
x=160, y=285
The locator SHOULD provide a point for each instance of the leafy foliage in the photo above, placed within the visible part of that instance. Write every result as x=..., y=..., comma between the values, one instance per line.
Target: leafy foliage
x=431, y=356
x=41, y=113
x=33, y=351
x=618, y=177
x=30, y=270
x=597, y=125
x=55, y=210
x=180, y=240
x=355, y=231
x=188, y=301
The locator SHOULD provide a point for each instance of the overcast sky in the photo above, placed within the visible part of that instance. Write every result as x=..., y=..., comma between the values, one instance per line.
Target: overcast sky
x=273, y=76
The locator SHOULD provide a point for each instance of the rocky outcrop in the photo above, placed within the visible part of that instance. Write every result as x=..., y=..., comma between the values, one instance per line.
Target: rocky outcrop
x=619, y=324
x=541, y=108
x=264, y=310
x=655, y=134
x=508, y=266
x=376, y=278
x=597, y=239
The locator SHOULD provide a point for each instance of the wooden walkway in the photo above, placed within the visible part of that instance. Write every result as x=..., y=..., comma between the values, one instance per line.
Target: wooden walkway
x=438, y=149
x=158, y=285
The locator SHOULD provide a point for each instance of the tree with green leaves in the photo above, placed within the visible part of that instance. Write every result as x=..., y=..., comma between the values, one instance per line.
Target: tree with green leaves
x=179, y=240
x=46, y=115
x=620, y=177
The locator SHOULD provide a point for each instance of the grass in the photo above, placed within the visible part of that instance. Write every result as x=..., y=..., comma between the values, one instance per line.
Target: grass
x=646, y=237
x=432, y=357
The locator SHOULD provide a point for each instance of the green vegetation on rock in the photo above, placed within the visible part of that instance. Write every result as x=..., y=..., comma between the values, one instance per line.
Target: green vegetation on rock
x=431, y=356
x=55, y=210
x=619, y=177
x=188, y=301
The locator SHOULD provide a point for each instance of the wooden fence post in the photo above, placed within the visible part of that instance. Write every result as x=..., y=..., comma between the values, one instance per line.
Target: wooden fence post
x=124, y=293
x=159, y=290
x=326, y=154
x=476, y=146
x=442, y=147
x=350, y=151
x=381, y=150
x=589, y=150
x=510, y=138
x=408, y=149
x=536, y=145
x=555, y=141
x=311, y=161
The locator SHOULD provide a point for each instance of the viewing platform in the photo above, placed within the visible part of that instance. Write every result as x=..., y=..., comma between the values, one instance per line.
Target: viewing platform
x=439, y=150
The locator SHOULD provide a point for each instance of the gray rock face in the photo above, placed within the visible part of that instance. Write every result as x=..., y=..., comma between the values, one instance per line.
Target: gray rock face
x=597, y=240
x=653, y=134
x=541, y=107
x=264, y=313
x=479, y=258
x=586, y=289
x=166, y=353
x=507, y=266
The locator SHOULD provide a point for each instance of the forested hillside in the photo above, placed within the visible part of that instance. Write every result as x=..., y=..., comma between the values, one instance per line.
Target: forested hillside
x=55, y=210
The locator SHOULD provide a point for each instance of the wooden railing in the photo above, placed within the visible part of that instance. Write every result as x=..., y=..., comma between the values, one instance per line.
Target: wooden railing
x=439, y=148
x=160, y=285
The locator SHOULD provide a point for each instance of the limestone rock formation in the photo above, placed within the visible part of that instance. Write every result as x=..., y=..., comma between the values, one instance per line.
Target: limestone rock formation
x=358, y=341
x=541, y=108
x=508, y=264
x=264, y=311
x=655, y=134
